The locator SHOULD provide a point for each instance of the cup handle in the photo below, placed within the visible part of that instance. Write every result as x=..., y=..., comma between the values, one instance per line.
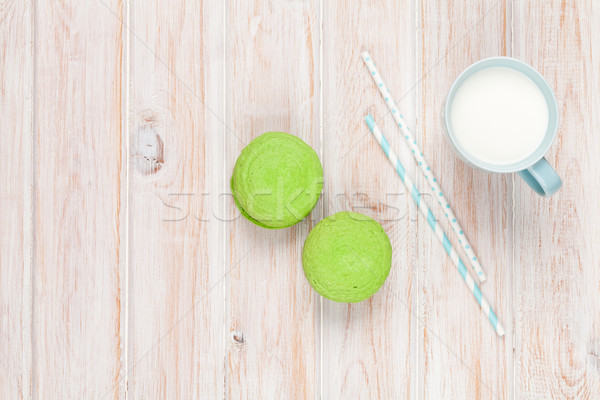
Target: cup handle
x=542, y=178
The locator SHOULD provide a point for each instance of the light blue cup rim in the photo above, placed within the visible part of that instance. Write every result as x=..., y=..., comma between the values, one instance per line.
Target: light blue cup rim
x=548, y=93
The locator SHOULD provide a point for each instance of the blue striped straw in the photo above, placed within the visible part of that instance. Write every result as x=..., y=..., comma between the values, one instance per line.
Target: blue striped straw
x=439, y=233
x=418, y=154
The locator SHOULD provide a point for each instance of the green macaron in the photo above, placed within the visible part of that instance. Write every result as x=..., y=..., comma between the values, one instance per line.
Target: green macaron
x=277, y=180
x=347, y=257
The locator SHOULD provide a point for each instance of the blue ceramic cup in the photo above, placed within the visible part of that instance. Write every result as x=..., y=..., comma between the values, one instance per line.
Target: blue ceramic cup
x=534, y=170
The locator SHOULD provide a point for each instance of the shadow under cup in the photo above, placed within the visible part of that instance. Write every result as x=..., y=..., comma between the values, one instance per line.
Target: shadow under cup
x=534, y=169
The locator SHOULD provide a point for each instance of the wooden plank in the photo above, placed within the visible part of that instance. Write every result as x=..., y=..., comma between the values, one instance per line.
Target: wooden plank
x=272, y=63
x=176, y=248
x=369, y=348
x=79, y=205
x=16, y=235
x=461, y=356
x=557, y=274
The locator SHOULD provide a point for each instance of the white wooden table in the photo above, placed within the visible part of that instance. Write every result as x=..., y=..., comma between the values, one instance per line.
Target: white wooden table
x=126, y=272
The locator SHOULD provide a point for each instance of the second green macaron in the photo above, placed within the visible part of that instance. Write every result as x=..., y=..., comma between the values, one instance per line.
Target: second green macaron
x=347, y=257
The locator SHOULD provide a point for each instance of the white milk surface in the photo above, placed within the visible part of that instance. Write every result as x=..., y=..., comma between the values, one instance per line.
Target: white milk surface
x=499, y=116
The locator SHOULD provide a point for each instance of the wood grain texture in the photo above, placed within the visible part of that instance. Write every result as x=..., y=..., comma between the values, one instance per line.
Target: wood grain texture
x=79, y=177
x=369, y=348
x=272, y=80
x=176, y=310
x=461, y=356
x=557, y=262
x=16, y=236
x=126, y=271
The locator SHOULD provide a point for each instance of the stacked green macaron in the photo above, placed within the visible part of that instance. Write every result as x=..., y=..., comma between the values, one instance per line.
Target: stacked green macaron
x=347, y=257
x=277, y=180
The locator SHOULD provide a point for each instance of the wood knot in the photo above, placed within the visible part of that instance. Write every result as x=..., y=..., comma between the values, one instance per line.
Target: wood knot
x=238, y=338
x=593, y=350
x=147, y=150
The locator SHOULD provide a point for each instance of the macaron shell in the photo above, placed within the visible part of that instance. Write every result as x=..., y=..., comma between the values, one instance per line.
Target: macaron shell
x=347, y=257
x=277, y=180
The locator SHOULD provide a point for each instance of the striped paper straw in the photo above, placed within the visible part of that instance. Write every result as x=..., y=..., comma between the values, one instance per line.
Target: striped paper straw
x=439, y=233
x=418, y=154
